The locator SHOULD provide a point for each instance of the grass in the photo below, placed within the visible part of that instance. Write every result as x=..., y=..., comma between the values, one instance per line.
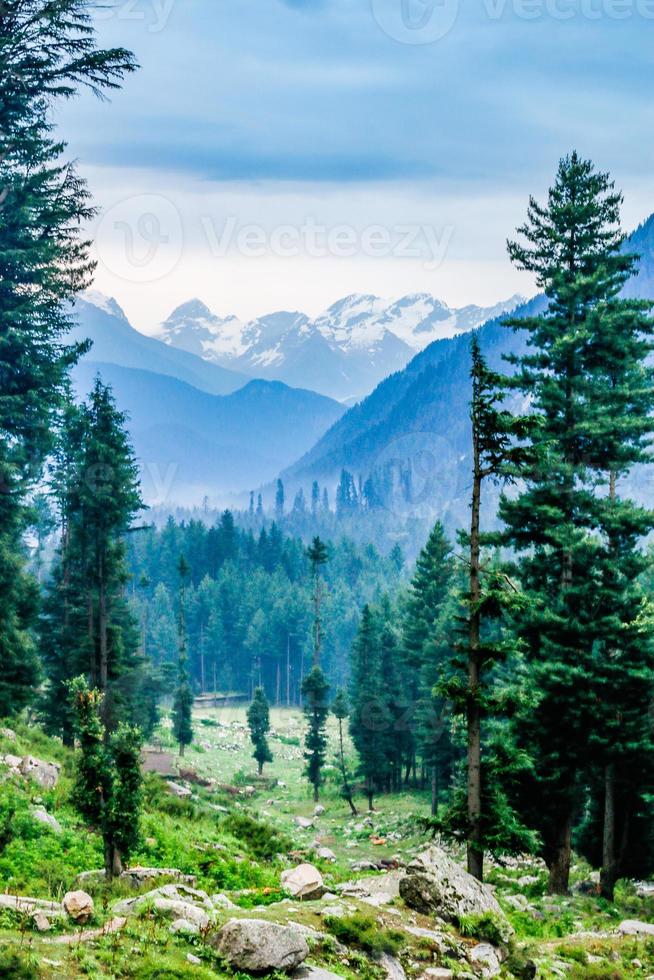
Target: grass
x=364, y=932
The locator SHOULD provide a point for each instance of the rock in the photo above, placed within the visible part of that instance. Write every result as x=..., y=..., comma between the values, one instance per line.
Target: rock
x=258, y=946
x=173, y=901
x=193, y=959
x=434, y=883
x=318, y=810
x=184, y=928
x=303, y=823
x=8, y=733
x=364, y=866
x=13, y=761
x=632, y=927
x=46, y=774
x=20, y=903
x=437, y=973
x=644, y=889
x=115, y=925
x=40, y=814
x=182, y=910
x=182, y=792
x=79, y=906
x=485, y=960
x=222, y=902
x=303, y=882
x=41, y=921
x=336, y=911
x=325, y=854
x=314, y=973
x=392, y=967
x=137, y=877
x=518, y=902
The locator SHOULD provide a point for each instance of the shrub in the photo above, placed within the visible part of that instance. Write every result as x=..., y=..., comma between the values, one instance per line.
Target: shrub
x=490, y=927
x=262, y=840
x=363, y=932
x=15, y=966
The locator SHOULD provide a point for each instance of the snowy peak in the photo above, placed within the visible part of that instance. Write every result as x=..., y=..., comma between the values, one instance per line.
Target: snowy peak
x=107, y=304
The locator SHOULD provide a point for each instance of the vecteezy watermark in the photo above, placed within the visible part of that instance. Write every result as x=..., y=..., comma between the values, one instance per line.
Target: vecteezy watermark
x=427, y=21
x=416, y=21
x=319, y=241
x=141, y=239
x=155, y=14
x=413, y=475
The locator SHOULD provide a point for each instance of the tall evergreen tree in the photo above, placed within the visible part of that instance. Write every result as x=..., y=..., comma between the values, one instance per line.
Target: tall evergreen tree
x=341, y=711
x=318, y=557
x=259, y=724
x=47, y=52
x=315, y=690
x=183, y=701
x=369, y=719
x=574, y=247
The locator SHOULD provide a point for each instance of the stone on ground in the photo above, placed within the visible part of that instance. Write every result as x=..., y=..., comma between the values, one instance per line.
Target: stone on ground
x=46, y=774
x=314, y=973
x=632, y=927
x=325, y=854
x=259, y=946
x=184, y=928
x=79, y=906
x=485, y=960
x=435, y=883
x=41, y=815
x=303, y=882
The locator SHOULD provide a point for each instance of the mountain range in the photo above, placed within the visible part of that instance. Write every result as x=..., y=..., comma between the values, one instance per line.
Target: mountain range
x=343, y=353
x=199, y=430
x=411, y=436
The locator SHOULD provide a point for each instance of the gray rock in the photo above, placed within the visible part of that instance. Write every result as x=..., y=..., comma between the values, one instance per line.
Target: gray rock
x=318, y=810
x=485, y=960
x=518, y=902
x=259, y=946
x=8, y=733
x=193, y=959
x=79, y=906
x=437, y=973
x=13, y=761
x=20, y=903
x=392, y=967
x=303, y=823
x=325, y=854
x=173, y=901
x=303, y=882
x=41, y=921
x=182, y=792
x=46, y=774
x=41, y=815
x=184, y=928
x=632, y=927
x=222, y=902
x=435, y=883
x=314, y=973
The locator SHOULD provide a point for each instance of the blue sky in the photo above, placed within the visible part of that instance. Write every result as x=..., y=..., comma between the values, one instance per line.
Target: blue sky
x=440, y=114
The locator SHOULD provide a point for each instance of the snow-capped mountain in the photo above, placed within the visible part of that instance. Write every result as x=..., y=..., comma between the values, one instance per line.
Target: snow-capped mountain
x=342, y=353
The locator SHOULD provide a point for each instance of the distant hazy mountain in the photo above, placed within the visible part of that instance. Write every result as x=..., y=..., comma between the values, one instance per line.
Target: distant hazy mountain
x=342, y=353
x=411, y=436
x=193, y=444
x=115, y=341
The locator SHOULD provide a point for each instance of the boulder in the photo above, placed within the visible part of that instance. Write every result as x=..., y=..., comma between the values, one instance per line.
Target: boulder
x=41, y=921
x=193, y=959
x=485, y=960
x=184, y=928
x=303, y=823
x=314, y=973
x=437, y=973
x=632, y=927
x=182, y=792
x=325, y=854
x=173, y=901
x=258, y=946
x=435, y=883
x=318, y=810
x=79, y=906
x=13, y=761
x=40, y=814
x=8, y=733
x=46, y=774
x=304, y=882
x=391, y=967
x=222, y=902
x=20, y=903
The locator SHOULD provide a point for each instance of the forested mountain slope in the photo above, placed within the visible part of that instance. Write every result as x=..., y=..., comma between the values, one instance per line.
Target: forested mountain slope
x=192, y=444
x=410, y=438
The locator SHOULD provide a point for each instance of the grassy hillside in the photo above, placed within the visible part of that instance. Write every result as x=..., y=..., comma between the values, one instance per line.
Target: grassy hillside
x=236, y=836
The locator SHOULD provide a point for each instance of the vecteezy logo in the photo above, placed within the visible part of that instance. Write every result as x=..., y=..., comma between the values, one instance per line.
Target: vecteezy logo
x=414, y=475
x=140, y=239
x=416, y=21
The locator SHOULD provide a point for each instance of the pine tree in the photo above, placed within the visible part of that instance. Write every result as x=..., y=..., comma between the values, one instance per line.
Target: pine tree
x=279, y=500
x=259, y=724
x=341, y=711
x=108, y=782
x=369, y=719
x=315, y=690
x=183, y=701
x=573, y=245
x=50, y=48
x=318, y=557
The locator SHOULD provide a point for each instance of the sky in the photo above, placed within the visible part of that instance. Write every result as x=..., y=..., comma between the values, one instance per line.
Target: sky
x=280, y=154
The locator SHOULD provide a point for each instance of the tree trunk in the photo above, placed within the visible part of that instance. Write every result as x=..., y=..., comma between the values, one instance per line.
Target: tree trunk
x=475, y=852
x=182, y=748
x=608, y=876
x=316, y=793
x=261, y=768
x=434, y=791
x=559, y=863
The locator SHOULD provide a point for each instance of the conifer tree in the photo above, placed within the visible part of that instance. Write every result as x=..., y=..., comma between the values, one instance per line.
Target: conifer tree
x=47, y=52
x=108, y=782
x=315, y=690
x=318, y=557
x=183, y=701
x=341, y=711
x=574, y=246
x=369, y=720
x=259, y=724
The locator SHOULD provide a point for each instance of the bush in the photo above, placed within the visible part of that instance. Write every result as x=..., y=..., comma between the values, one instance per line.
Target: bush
x=363, y=932
x=489, y=927
x=262, y=840
x=15, y=966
